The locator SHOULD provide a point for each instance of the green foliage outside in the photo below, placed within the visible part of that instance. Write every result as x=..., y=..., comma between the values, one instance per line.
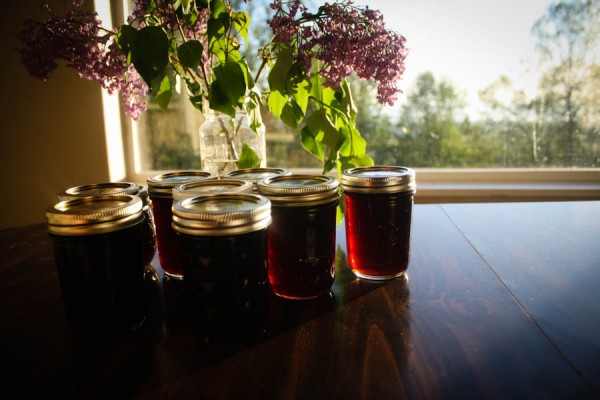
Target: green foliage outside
x=558, y=127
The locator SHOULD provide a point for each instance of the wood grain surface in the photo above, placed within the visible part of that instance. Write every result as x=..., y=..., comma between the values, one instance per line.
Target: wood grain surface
x=501, y=301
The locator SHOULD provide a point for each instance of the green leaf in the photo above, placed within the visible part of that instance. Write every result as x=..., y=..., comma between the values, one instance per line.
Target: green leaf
x=276, y=102
x=354, y=161
x=279, y=72
x=190, y=54
x=218, y=100
x=347, y=100
x=292, y=114
x=241, y=22
x=300, y=93
x=164, y=93
x=151, y=53
x=218, y=22
x=311, y=144
x=318, y=91
x=353, y=143
x=319, y=122
x=339, y=213
x=232, y=82
x=248, y=158
x=127, y=40
x=253, y=109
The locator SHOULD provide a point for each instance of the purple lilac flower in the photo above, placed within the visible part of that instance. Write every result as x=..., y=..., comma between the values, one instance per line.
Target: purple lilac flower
x=344, y=38
x=80, y=41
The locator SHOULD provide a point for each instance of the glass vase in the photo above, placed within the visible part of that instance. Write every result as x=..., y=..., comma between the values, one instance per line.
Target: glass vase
x=222, y=140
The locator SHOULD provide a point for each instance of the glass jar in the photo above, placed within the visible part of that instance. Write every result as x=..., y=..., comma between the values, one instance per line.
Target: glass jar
x=255, y=175
x=378, y=219
x=97, y=243
x=301, y=238
x=160, y=188
x=222, y=238
x=116, y=188
x=222, y=140
x=213, y=186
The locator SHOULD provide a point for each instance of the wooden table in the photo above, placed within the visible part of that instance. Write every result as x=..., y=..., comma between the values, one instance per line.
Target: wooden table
x=502, y=301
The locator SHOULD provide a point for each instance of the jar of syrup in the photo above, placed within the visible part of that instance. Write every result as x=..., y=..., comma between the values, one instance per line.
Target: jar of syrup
x=223, y=242
x=160, y=188
x=116, y=188
x=212, y=186
x=301, y=239
x=378, y=218
x=97, y=243
x=255, y=175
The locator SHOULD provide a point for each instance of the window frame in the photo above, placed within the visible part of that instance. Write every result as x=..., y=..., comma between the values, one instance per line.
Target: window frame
x=433, y=185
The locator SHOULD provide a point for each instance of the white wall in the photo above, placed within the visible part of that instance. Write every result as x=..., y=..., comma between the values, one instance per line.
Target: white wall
x=51, y=133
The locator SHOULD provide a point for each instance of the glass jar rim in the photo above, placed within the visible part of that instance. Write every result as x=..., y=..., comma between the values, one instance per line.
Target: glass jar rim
x=255, y=175
x=162, y=185
x=299, y=190
x=98, y=189
x=210, y=186
x=221, y=214
x=378, y=179
x=94, y=214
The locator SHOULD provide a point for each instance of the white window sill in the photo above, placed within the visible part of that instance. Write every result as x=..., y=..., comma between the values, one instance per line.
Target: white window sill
x=490, y=185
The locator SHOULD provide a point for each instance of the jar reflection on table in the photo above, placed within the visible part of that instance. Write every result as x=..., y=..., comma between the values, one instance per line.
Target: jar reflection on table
x=378, y=218
x=222, y=238
x=97, y=243
x=301, y=238
x=118, y=188
x=160, y=188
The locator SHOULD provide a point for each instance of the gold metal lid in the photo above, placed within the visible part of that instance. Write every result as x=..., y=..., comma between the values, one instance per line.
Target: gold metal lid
x=299, y=190
x=255, y=175
x=378, y=179
x=105, y=188
x=221, y=214
x=98, y=189
x=94, y=215
x=162, y=185
x=212, y=186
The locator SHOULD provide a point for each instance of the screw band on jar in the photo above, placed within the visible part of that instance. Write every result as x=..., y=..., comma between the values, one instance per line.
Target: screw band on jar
x=94, y=215
x=97, y=189
x=255, y=175
x=299, y=190
x=162, y=185
x=378, y=179
x=211, y=186
x=221, y=214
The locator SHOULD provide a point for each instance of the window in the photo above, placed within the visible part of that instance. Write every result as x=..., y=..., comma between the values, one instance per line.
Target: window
x=485, y=112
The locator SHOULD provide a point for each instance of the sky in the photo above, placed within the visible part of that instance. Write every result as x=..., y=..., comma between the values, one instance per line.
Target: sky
x=467, y=42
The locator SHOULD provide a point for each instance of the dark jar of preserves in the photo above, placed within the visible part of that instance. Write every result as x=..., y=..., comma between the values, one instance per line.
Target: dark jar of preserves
x=97, y=243
x=301, y=239
x=378, y=219
x=223, y=242
x=212, y=186
x=117, y=188
x=255, y=175
x=160, y=188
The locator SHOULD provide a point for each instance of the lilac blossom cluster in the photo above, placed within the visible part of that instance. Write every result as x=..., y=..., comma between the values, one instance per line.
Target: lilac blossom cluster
x=345, y=38
x=80, y=41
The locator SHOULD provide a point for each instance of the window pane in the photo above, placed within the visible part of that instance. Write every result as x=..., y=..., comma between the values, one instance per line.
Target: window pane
x=487, y=84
